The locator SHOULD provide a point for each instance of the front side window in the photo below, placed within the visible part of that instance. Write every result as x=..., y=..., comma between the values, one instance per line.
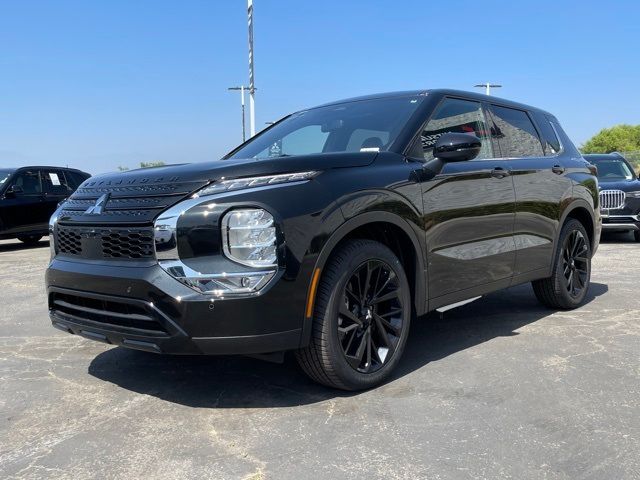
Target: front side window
x=457, y=116
x=358, y=126
x=28, y=183
x=515, y=133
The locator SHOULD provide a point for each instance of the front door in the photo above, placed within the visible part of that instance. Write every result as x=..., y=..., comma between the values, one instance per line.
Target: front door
x=469, y=210
x=24, y=209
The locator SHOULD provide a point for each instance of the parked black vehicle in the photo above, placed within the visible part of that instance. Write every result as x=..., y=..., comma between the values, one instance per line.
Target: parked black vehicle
x=619, y=193
x=30, y=195
x=328, y=232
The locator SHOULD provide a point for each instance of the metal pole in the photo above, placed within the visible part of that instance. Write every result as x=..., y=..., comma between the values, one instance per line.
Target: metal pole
x=244, y=134
x=252, y=89
x=242, y=89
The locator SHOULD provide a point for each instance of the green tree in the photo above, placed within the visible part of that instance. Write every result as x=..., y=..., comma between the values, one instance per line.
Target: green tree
x=620, y=138
x=151, y=164
x=122, y=169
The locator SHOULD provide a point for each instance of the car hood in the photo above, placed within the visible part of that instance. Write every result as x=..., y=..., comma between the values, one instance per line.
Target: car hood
x=624, y=185
x=138, y=196
x=232, y=168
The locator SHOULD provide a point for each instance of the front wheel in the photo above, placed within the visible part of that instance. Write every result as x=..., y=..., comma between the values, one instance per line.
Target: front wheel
x=30, y=239
x=569, y=282
x=361, y=318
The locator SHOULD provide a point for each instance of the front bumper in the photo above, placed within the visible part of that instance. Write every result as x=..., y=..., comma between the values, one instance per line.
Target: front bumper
x=620, y=222
x=142, y=307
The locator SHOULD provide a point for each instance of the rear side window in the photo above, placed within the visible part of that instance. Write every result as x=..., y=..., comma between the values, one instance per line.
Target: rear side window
x=55, y=183
x=550, y=141
x=458, y=116
x=515, y=133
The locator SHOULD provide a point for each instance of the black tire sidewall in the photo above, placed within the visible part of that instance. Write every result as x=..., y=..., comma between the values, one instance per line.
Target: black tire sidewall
x=30, y=239
x=349, y=376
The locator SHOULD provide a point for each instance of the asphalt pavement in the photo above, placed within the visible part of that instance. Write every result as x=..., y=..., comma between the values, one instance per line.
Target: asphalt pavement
x=501, y=388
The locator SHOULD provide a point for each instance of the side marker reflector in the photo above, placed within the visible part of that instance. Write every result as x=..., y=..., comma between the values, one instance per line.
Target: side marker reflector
x=312, y=292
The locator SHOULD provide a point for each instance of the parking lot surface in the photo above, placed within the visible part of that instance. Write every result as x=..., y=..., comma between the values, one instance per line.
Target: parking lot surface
x=500, y=388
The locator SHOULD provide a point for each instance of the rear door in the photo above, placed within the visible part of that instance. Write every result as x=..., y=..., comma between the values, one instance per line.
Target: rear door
x=533, y=150
x=469, y=210
x=55, y=187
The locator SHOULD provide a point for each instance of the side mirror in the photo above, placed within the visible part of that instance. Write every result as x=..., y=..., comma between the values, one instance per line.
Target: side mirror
x=457, y=147
x=13, y=190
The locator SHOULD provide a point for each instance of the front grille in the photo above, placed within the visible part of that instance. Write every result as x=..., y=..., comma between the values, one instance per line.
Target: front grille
x=98, y=243
x=612, y=199
x=69, y=241
x=106, y=313
x=127, y=244
x=132, y=204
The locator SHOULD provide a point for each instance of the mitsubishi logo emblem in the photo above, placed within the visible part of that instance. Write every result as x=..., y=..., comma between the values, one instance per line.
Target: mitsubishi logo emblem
x=98, y=207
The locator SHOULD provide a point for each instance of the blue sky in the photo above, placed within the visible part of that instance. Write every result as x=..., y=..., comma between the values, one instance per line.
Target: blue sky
x=96, y=84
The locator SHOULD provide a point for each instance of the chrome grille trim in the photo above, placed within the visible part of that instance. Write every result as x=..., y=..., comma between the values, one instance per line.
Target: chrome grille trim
x=612, y=199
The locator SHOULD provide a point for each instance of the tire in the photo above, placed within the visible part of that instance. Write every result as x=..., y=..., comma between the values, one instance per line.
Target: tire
x=636, y=236
x=568, y=285
x=30, y=239
x=358, y=339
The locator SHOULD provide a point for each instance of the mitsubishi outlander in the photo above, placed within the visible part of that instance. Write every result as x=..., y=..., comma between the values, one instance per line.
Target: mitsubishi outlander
x=329, y=232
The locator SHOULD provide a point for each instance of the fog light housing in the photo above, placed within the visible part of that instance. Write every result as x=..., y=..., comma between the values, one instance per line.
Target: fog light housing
x=219, y=284
x=249, y=237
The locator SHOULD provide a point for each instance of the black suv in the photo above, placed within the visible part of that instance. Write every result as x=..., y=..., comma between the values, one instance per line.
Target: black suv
x=328, y=232
x=619, y=193
x=30, y=195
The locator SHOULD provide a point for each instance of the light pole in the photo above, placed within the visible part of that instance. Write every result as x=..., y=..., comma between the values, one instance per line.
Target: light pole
x=252, y=89
x=487, y=86
x=242, y=89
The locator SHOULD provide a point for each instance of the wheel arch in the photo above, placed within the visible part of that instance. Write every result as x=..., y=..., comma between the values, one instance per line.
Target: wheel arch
x=583, y=212
x=390, y=230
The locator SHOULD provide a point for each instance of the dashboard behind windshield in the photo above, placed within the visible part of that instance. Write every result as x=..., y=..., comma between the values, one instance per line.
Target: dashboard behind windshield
x=358, y=126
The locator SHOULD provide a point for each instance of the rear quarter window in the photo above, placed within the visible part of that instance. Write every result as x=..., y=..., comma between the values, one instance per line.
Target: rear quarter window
x=550, y=142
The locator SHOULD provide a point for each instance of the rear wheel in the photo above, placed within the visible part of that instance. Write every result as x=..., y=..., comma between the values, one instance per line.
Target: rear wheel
x=30, y=239
x=569, y=282
x=361, y=318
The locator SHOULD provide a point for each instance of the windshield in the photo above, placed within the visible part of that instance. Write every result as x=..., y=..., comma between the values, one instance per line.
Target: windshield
x=359, y=126
x=4, y=174
x=613, y=169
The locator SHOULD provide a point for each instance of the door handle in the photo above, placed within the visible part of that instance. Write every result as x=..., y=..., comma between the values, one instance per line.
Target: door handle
x=558, y=169
x=500, y=172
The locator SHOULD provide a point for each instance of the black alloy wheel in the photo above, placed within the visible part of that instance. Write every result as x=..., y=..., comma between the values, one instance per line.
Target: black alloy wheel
x=370, y=318
x=361, y=317
x=568, y=284
x=575, y=263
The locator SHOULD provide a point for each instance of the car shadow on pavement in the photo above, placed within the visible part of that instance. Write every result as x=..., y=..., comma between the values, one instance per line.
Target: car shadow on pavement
x=617, y=237
x=18, y=245
x=240, y=382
